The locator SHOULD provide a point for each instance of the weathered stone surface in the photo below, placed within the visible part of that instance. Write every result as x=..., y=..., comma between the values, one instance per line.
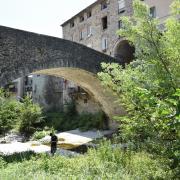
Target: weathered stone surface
x=24, y=52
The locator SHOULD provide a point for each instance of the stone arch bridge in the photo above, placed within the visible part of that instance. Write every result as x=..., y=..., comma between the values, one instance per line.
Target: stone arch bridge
x=22, y=53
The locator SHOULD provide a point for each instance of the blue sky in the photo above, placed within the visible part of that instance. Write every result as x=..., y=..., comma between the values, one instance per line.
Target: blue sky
x=41, y=16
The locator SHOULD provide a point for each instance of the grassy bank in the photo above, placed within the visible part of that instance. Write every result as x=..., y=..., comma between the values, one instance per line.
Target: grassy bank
x=104, y=163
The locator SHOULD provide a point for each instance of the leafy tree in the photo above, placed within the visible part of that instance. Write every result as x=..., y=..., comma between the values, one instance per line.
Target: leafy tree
x=9, y=111
x=30, y=117
x=149, y=87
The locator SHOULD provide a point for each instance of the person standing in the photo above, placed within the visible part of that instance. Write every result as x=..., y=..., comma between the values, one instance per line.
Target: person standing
x=54, y=140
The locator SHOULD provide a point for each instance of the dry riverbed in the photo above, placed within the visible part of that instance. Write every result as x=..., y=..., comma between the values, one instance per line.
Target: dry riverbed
x=66, y=141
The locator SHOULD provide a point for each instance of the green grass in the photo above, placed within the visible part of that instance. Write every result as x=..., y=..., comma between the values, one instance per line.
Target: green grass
x=104, y=163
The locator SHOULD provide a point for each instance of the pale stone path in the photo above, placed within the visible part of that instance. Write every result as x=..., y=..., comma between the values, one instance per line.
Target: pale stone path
x=67, y=140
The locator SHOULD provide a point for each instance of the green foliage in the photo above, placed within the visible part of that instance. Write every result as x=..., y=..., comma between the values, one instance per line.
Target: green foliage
x=17, y=157
x=62, y=121
x=26, y=116
x=149, y=87
x=87, y=121
x=9, y=112
x=71, y=109
x=68, y=120
x=2, y=163
x=55, y=120
x=103, y=163
x=30, y=117
x=40, y=134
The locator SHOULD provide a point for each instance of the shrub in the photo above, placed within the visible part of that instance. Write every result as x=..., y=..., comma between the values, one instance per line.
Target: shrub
x=54, y=119
x=2, y=163
x=17, y=157
x=63, y=121
x=9, y=112
x=87, y=121
x=40, y=134
x=30, y=117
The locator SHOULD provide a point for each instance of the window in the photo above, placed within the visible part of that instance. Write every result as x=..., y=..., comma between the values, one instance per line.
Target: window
x=103, y=5
x=104, y=23
x=72, y=37
x=72, y=24
x=81, y=19
x=82, y=34
x=152, y=12
x=89, y=14
x=121, y=6
x=104, y=44
x=89, y=31
x=120, y=24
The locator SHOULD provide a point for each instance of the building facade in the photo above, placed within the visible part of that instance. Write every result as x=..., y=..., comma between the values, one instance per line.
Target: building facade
x=96, y=25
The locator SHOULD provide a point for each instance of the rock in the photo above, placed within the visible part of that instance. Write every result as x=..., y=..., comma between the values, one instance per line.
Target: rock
x=67, y=153
x=12, y=137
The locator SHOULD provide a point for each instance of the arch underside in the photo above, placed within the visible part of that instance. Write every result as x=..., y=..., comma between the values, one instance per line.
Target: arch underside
x=90, y=83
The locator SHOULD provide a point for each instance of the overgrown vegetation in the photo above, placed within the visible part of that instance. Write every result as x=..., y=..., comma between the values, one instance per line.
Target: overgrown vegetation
x=41, y=134
x=9, y=112
x=25, y=117
x=30, y=117
x=70, y=119
x=104, y=163
x=149, y=87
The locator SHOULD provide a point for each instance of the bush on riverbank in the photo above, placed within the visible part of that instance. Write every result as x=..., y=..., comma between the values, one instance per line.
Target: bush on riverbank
x=23, y=116
x=9, y=112
x=30, y=117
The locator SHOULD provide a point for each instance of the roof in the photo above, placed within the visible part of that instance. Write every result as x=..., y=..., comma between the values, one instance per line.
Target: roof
x=90, y=6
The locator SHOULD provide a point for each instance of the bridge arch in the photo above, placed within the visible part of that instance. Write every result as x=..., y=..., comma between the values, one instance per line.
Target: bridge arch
x=91, y=84
x=22, y=53
x=123, y=51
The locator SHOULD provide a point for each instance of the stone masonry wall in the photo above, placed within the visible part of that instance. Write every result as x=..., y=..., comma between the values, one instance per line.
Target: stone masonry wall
x=23, y=52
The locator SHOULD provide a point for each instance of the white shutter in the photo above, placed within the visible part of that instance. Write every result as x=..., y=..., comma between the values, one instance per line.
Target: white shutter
x=84, y=33
x=89, y=31
x=104, y=44
x=121, y=4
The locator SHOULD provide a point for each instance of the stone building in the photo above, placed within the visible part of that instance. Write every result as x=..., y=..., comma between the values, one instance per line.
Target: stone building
x=96, y=25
